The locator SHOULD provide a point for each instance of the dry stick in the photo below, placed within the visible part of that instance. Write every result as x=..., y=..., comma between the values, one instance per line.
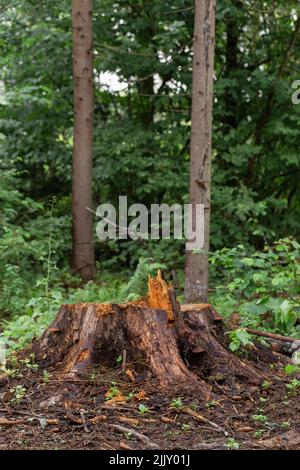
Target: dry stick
x=138, y=435
x=286, y=339
x=85, y=426
x=124, y=360
x=196, y=415
x=125, y=446
x=12, y=422
x=128, y=420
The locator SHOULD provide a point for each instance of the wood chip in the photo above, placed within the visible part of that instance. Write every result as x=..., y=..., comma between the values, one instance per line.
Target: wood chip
x=129, y=374
x=142, y=395
x=245, y=429
x=73, y=418
x=165, y=419
x=69, y=415
x=128, y=420
x=53, y=421
x=98, y=419
x=125, y=446
x=70, y=405
x=149, y=420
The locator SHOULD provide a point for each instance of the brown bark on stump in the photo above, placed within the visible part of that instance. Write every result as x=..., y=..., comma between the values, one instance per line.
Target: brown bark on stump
x=163, y=338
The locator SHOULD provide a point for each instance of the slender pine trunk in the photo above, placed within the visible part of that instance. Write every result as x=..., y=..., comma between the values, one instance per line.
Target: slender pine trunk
x=82, y=229
x=196, y=265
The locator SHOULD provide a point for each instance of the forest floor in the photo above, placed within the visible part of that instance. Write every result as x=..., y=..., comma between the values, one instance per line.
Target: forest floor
x=39, y=410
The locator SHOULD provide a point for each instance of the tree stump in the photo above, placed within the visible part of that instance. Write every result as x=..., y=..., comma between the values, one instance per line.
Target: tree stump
x=174, y=346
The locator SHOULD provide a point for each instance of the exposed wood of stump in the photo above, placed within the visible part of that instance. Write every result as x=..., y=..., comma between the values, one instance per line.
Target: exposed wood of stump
x=158, y=335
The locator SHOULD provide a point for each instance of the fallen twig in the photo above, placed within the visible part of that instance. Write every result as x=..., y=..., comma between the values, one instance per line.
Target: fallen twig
x=98, y=419
x=11, y=422
x=265, y=334
x=29, y=421
x=124, y=359
x=125, y=446
x=166, y=419
x=84, y=422
x=128, y=420
x=138, y=435
x=198, y=416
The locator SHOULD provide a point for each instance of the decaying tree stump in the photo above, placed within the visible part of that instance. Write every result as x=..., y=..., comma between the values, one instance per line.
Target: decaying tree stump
x=176, y=345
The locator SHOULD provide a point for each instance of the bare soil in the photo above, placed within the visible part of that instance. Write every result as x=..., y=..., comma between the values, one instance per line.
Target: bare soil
x=58, y=413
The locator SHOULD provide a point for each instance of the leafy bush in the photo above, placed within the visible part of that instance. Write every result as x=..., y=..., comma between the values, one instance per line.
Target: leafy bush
x=263, y=287
x=239, y=337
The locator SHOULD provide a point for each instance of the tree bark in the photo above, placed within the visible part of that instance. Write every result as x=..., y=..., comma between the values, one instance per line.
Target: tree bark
x=169, y=347
x=82, y=222
x=196, y=265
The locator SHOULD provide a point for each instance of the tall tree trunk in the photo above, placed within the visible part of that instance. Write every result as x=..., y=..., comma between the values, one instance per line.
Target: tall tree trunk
x=196, y=266
x=82, y=230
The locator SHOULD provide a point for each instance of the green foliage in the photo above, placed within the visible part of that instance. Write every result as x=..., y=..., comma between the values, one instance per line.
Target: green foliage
x=28, y=276
x=265, y=385
x=112, y=392
x=37, y=316
x=293, y=386
x=40, y=311
x=185, y=427
x=261, y=418
x=119, y=360
x=29, y=362
x=232, y=444
x=46, y=377
x=262, y=286
x=291, y=369
x=142, y=131
x=18, y=392
x=239, y=338
x=176, y=403
x=141, y=149
x=143, y=409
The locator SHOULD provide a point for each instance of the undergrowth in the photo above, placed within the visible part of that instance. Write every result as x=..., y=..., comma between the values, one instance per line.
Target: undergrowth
x=262, y=288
